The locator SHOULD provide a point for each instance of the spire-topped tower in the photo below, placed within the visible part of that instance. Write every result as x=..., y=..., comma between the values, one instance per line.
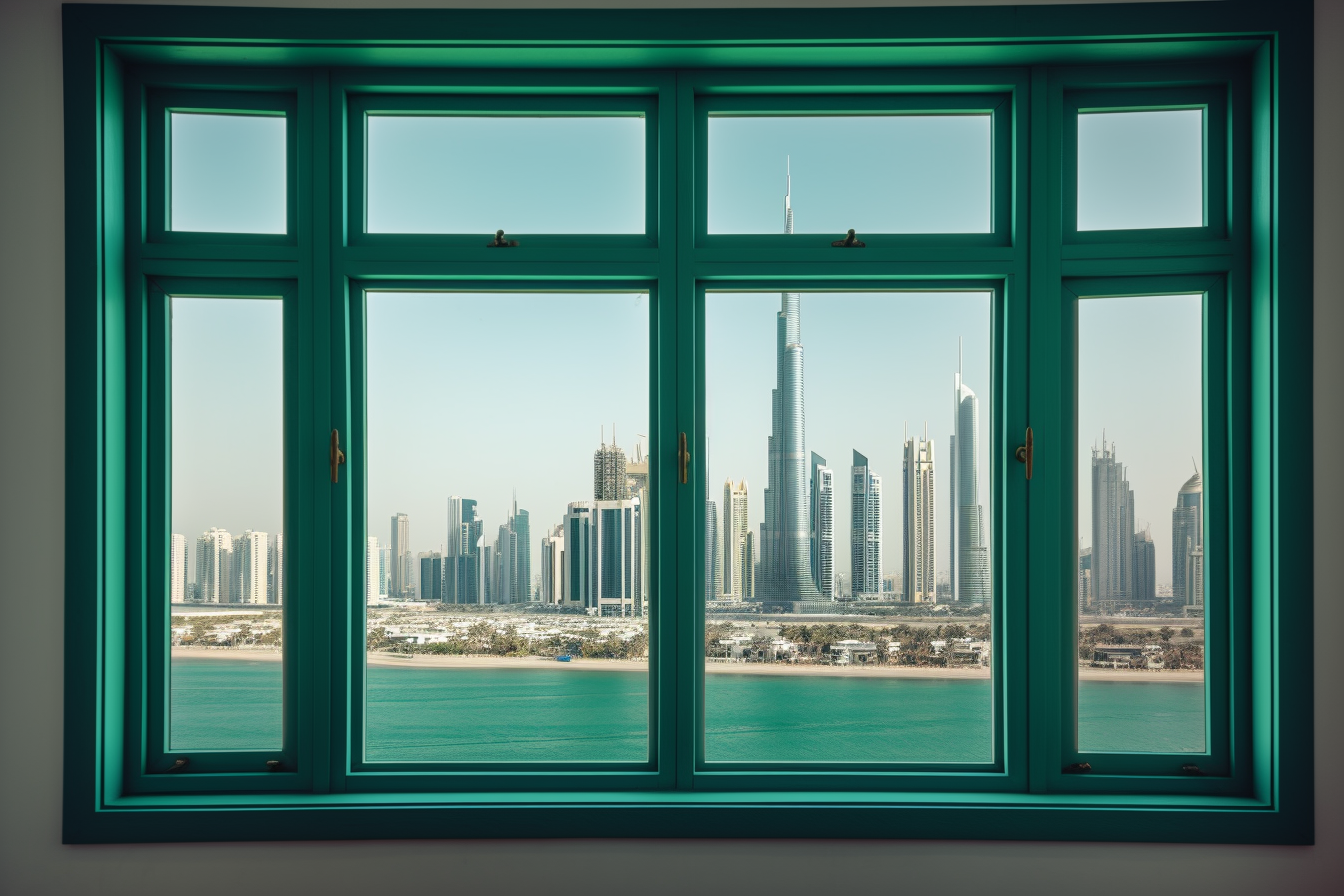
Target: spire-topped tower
x=786, y=561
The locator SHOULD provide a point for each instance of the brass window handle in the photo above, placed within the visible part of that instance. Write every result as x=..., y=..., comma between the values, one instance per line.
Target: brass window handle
x=337, y=457
x=683, y=459
x=1024, y=453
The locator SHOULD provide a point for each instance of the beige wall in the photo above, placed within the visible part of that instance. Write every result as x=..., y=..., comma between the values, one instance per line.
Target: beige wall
x=32, y=449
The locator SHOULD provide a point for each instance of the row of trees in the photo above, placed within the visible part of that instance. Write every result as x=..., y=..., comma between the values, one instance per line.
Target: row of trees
x=486, y=639
x=1187, y=653
x=227, y=631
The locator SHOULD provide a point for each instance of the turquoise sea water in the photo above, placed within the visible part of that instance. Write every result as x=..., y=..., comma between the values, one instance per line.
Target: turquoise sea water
x=566, y=713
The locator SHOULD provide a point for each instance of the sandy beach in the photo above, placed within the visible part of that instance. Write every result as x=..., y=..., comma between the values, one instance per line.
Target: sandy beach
x=425, y=661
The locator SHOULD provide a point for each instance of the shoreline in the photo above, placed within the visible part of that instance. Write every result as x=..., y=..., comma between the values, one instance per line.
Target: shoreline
x=423, y=661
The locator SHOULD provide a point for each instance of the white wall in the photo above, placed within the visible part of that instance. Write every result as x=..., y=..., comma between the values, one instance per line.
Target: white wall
x=32, y=450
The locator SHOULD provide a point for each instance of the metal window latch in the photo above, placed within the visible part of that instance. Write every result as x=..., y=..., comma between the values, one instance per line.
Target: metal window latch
x=272, y=765
x=500, y=243
x=178, y=765
x=1192, y=769
x=849, y=242
x=683, y=459
x=1078, y=768
x=1024, y=453
x=336, y=456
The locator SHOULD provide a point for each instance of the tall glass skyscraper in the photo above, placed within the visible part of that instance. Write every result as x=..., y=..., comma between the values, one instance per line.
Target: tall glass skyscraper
x=1187, y=537
x=786, y=543
x=969, y=555
x=823, y=526
x=919, y=523
x=865, y=532
x=1112, y=530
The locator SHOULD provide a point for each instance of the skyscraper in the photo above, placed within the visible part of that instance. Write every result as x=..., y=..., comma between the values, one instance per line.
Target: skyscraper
x=822, y=525
x=553, y=566
x=177, y=569
x=461, y=579
x=1187, y=537
x=277, y=570
x=371, y=570
x=713, y=553
x=735, y=528
x=1112, y=530
x=865, y=533
x=969, y=560
x=249, y=567
x=603, y=557
x=522, y=524
x=214, y=562
x=610, y=478
x=1144, y=578
x=1085, y=596
x=919, y=523
x=402, y=582
x=786, y=549
x=429, y=575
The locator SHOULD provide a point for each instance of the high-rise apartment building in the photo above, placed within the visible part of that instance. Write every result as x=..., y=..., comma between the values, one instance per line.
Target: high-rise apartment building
x=402, y=583
x=969, y=549
x=553, y=566
x=276, y=570
x=919, y=523
x=214, y=567
x=250, y=562
x=429, y=578
x=603, y=558
x=577, y=529
x=1187, y=537
x=1144, y=579
x=786, y=544
x=865, y=533
x=461, y=563
x=822, y=526
x=1112, y=530
x=371, y=564
x=177, y=569
x=384, y=570
x=736, y=526
x=713, y=553
x=522, y=578
x=750, y=568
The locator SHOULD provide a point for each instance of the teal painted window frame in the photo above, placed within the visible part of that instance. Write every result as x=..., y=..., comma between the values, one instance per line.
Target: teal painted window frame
x=120, y=60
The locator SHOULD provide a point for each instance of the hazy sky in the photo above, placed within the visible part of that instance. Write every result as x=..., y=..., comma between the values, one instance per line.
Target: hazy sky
x=479, y=395
x=1140, y=379
x=227, y=405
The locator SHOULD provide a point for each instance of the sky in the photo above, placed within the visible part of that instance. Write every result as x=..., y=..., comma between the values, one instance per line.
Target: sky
x=1145, y=393
x=479, y=395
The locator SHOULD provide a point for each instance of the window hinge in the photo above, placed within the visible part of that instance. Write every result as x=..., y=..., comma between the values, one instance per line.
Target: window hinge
x=849, y=242
x=336, y=456
x=272, y=765
x=1191, y=769
x=1078, y=768
x=1025, y=453
x=500, y=243
x=178, y=765
x=683, y=459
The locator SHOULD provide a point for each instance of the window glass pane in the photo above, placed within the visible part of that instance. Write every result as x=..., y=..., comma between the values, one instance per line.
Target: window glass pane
x=846, y=561
x=463, y=174
x=874, y=173
x=226, y=582
x=1140, y=169
x=228, y=173
x=507, y=553
x=1140, y=524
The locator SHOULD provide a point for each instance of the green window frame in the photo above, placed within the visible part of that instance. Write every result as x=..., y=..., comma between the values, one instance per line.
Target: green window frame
x=1032, y=70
